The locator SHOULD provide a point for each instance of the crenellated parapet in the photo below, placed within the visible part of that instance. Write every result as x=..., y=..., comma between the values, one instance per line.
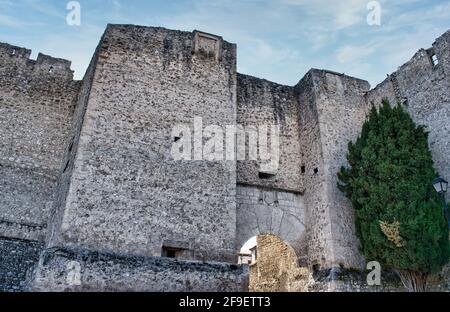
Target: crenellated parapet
x=19, y=71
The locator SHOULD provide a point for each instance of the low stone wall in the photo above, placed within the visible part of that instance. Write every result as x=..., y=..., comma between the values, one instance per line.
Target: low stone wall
x=342, y=280
x=62, y=270
x=17, y=257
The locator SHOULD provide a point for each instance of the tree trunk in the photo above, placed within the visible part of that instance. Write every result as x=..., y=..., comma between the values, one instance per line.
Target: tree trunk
x=414, y=281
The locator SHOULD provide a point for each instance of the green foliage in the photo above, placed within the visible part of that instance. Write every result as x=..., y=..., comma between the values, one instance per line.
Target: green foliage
x=389, y=180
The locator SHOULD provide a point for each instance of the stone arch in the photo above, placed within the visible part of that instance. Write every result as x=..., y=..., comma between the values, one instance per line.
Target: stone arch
x=276, y=267
x=263, y=211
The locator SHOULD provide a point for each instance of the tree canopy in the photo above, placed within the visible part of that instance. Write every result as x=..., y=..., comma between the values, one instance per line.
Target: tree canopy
x=399, y=217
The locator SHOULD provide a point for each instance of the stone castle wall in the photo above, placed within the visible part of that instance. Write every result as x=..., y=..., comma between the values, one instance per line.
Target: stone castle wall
x=81, y=270
x=424, y=90
x=334, y=111
x=37, y=100
x=96, y=156
x=140, y=200
x=261, y=102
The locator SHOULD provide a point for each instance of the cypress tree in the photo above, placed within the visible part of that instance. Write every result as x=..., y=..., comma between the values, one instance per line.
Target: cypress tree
x=399, y=217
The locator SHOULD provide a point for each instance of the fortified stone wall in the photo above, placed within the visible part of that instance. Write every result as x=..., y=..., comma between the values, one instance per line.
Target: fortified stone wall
x=70, y=153
x=98, y=154
x=424, y=90
x=37, y=100
x=63, y=269
x=127, y=194
x=332, y=112
x=261, y=102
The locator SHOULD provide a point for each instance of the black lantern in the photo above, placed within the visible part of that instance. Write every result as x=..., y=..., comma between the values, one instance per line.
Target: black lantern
x=441, y=186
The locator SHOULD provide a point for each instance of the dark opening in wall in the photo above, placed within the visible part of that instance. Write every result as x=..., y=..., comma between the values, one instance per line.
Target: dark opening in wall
x=170, y=252
x=316, y=170
x=303, y=169
x=51, y=69
x=434, y=59
x=266, y=175
x=13, y=52
x=176, y=139
x=405, y=102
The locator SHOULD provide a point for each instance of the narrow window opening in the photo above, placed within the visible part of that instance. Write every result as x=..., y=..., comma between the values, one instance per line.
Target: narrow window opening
x=303, y=169
x=316, y=170
x=405, y=102
x=434, y=60
x=176, y=139
x=266, y=175
x=51, y=69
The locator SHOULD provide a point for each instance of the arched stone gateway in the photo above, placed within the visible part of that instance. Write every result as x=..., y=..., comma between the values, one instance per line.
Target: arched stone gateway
x=276, y=268
x=261, y=211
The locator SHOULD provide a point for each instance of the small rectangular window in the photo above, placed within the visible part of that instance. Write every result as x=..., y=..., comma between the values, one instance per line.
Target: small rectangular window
x=266, y=175
x=169, y=252
x=434, y=59
x=303, y=169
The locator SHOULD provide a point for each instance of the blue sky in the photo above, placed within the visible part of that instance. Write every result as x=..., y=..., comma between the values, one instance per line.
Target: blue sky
x=279, y=40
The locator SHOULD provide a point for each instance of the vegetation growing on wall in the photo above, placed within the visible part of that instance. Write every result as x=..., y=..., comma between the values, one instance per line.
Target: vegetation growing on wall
x=399, y=217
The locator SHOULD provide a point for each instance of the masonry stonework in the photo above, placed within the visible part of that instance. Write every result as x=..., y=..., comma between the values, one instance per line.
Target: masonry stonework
x=89, y=181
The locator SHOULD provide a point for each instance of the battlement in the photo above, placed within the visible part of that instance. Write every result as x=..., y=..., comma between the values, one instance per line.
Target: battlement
x=14, y=51
x=53, y=65
x=44, y=64
x=170, y=46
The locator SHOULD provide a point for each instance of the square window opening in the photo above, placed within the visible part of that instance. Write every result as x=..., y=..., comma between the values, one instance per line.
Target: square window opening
x=170, y=252
x=434, y=60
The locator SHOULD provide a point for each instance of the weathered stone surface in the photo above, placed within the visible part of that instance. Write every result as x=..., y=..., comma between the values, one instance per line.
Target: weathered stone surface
x=424, y=90
x=138, y=195
x=17, y=259
x=37, y=100
x=332, y=114
x=261, y=102
x=82, y=270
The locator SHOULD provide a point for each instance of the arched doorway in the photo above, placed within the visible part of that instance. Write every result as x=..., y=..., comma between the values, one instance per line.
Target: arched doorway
x=274, y=265
x=262, y=211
